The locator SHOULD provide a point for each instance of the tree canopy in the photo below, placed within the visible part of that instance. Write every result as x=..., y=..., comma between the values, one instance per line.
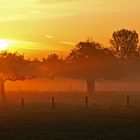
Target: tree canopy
x=13, y=66
x=125, y=44
x=91, y=58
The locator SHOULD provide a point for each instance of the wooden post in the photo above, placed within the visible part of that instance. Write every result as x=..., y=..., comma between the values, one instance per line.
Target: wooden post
x=128, y=102
x=22, y=102
x=86, y=102
x=53, y=103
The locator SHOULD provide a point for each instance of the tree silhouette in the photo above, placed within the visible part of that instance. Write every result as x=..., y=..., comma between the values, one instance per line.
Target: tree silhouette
x=125, y=44
x=90, y=61
x=53, y=60
x=13, y=67
x=53, y=64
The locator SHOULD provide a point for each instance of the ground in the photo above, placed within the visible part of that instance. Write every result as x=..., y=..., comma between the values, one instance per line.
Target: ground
x=106, y=118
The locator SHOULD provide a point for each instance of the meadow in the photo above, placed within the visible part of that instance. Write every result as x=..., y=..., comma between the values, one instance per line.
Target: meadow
x=107, y=116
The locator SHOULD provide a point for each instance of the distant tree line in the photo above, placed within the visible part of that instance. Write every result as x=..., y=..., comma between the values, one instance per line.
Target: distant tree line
x=88, y=60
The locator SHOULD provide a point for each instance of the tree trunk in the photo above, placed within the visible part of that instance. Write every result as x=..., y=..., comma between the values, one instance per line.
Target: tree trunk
x=90, y=87
x=2, y=90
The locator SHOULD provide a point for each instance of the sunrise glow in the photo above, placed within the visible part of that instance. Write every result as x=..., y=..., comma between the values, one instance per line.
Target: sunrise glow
x=70, y=69
x=5, y=44
x=59, y=24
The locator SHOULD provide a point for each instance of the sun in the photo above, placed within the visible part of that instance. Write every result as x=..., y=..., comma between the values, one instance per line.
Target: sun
x=5, y=44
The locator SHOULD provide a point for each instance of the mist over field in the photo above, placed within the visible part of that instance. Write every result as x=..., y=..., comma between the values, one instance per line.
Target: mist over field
x=61, y=84
x=69, y=70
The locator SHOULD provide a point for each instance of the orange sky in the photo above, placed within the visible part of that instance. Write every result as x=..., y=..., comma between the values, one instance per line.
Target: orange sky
x=42, y=26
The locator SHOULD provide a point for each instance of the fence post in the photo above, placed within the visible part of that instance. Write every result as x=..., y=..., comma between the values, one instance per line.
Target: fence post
x=53, y=103
x=22, y=102
x=86, y=102
x=128, y=102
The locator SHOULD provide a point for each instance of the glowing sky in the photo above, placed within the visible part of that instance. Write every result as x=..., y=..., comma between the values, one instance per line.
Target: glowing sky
x=39, y=26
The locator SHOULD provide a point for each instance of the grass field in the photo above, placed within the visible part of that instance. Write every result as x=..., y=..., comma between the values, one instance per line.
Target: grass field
x=107, y=117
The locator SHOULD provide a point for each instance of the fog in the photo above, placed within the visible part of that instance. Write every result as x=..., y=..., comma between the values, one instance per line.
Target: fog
x=63, y=84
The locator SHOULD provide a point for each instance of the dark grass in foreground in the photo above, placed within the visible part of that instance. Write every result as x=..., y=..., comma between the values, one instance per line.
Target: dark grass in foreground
x=69, y=122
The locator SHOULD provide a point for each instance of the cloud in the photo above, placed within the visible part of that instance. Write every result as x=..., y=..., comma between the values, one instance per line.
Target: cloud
x=35, y=11
x=13, y=10
x=17, y=10
x=67, y=43
x=28, y=45
x=49, y=36
x=55, y=1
